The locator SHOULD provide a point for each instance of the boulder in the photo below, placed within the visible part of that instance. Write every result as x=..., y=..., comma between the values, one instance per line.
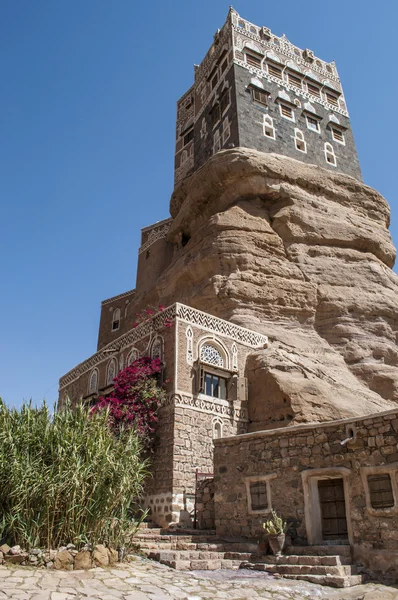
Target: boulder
x=63, y=561
x=100, y=556
x=5, y=548
x=83, y=560
x=113, y=556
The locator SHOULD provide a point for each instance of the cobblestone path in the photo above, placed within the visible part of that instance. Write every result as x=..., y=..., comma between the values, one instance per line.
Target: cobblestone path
x=146, y=580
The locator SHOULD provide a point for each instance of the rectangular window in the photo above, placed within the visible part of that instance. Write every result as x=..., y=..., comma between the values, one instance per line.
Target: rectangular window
x=313, y=124
x=188, y=136
x=260, y=96
x=338, y=135
x=286, y=111
x=215, y=114
x=313, y=89
x=332, y=98
x=258, y=495
x=215, y=386
x=274, y=70
x=294, y=80
x=253, y=60
x=224, y=101
x=214, y=80
x=380, y=490
x=224, y=65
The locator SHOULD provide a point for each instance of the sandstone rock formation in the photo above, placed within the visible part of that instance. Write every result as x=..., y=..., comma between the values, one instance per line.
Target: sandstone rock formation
x=303, y=255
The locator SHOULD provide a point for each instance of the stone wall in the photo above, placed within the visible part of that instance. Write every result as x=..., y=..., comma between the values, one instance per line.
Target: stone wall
x=205, y=503
x=291, y=460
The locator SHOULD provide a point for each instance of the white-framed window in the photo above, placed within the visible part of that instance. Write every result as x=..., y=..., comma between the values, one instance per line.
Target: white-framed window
x=332, y=97
x=217, y=428
x=313, y=123
x=330, y=156
x=253, y=59
x=203, y=129
x=184, y=157
x=111, y=371
x=299, y=141
x=225, y=100
x=216, y=141
x=226, y=131
x=93, y=382
x=258, y=491
x=286, y=111
x=295, y=80
x=313, y=89
x=260, y=96
x=116, y=319
x=275, y=70
x=338, y=135
x=211, y=355
x=214, y=385
x=132, y=356
x=157, y=348
x=381, y=489
x=188, y=136
x=215, y=114
x=269, y=129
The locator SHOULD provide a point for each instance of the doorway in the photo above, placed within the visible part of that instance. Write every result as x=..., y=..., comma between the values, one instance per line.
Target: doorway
x=333, y=509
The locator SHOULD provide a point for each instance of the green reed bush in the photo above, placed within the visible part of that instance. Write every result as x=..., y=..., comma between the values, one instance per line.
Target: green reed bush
x=65, y=477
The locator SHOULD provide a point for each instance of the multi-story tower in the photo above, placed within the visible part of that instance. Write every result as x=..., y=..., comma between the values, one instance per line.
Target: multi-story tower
x=256, y=90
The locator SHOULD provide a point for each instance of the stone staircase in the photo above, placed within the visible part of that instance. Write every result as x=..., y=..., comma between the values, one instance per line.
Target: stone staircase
x=194, y=550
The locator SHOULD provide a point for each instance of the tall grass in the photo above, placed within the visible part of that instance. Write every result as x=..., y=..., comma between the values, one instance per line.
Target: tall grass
x=66, y=478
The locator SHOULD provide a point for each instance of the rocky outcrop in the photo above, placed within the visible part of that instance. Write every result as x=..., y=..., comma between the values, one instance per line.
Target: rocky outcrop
x=305, y=256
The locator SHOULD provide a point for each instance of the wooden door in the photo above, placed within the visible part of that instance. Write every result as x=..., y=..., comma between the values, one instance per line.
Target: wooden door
x=332, y=501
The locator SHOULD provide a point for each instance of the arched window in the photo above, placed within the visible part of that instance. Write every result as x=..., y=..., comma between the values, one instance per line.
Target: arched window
x=93, y=382
x=217, y=429
x=184, y=157
x=330, y=156
x=189, y=336
x=211, y=355
x=116, y=319
x=132, y=356
x=111, y=371
x=241, y=25
x=300, y=141
x=269, y=129
x=157, y=348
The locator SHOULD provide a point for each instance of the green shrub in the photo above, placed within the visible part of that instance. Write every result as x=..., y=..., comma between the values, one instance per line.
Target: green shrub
x=64, y=477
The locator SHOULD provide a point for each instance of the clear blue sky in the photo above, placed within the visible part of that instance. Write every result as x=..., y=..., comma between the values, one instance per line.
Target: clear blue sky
x=87, y=139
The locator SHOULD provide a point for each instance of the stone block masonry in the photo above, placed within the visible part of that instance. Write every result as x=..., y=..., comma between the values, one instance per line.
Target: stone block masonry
x=293, y=463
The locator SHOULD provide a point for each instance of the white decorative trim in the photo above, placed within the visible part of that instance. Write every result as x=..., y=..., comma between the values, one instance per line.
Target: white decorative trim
x=212, y=406
x=92, y=388
x=189, y=336
x=234, y=357
x=157, y=232
x=115, y=298
x=187, y=314
x=111, y=371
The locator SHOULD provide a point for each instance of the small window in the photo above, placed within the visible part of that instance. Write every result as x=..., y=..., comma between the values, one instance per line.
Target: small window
x=258, y=495
x=188, y=136
x=214, y=81
x=269, y=129
x=133, y=355
x=313, y=89
x=111, y=372
x=332, y=98
x=253, y=59
x=157, y=348
x=274, y=70
x=295, y=80
x=259, y=96
x=116, y=319
x=286, y=111
x=217, y=430
x=211, y=355
x=330, y=156
x=184, y=157
x=300, y=141
x=253, y=30
x=241, y=25
x=224, y=101
x=338, y=135
x=226, y=131
x=93, y=382
x=215, y=386
x=380, y=490
x=215, y=114
x=224, y=65
x=313, y=124
x=216, y=142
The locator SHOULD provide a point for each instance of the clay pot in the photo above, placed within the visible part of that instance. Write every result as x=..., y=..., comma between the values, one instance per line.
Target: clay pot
x=277, y=543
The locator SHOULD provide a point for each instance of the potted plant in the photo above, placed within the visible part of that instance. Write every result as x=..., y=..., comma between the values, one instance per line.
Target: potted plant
x=276, y=528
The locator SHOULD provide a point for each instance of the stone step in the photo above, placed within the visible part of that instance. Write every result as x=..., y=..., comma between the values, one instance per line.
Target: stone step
x=330, y=580
x=319, y=550
x=303, y=559
x=285, y=569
